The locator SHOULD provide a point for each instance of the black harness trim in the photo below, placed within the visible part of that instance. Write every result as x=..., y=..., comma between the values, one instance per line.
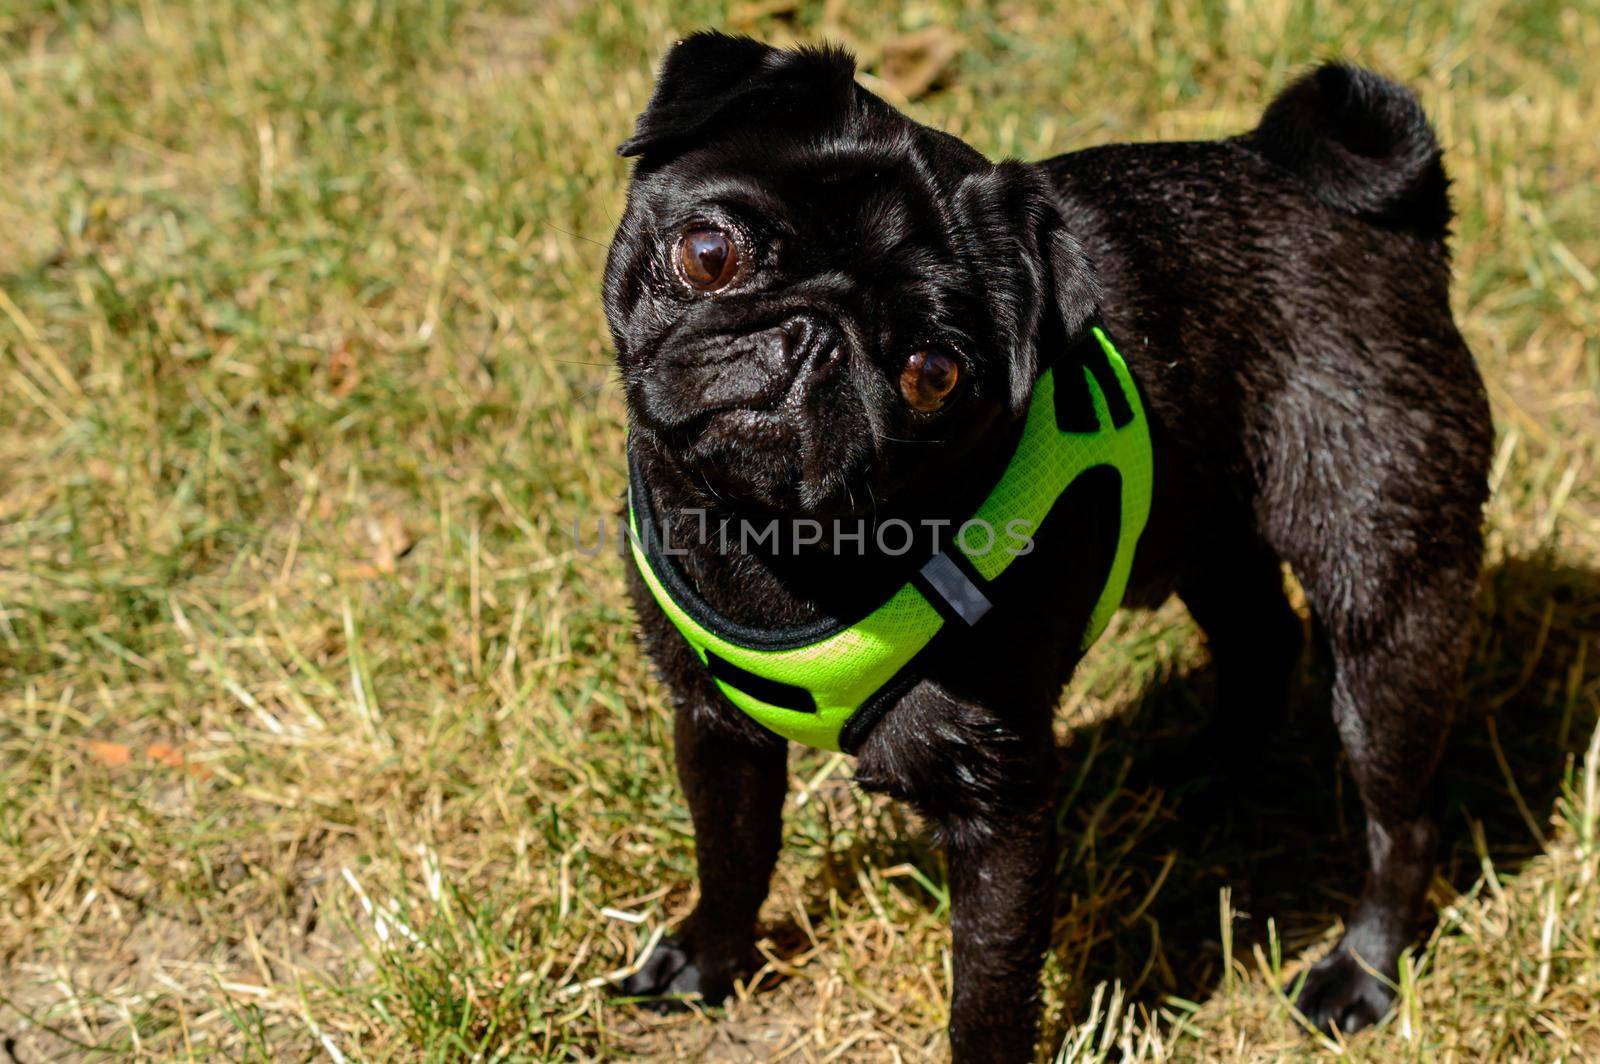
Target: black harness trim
x=772, y=692
x=1074, y=400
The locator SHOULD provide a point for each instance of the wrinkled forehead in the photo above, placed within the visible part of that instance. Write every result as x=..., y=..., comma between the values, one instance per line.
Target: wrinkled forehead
x=868, y=188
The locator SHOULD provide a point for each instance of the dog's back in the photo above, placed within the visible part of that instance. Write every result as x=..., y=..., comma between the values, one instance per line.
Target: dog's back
x=1340, y=189
x=1284, y=297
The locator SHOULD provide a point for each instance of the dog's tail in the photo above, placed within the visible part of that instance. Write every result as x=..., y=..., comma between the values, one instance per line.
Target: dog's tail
x=1362, y=145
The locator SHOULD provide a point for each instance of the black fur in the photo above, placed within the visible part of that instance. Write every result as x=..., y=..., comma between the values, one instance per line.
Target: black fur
x=1281, y=298
x=1364, y=146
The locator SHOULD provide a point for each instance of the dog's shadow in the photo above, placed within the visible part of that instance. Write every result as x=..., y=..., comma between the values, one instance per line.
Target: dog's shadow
x=1144, y=864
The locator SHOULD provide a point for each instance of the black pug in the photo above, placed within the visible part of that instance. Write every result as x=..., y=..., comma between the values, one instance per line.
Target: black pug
x=822, y=309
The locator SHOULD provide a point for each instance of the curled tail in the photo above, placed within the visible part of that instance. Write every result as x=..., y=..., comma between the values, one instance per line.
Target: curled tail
x=1362, y=145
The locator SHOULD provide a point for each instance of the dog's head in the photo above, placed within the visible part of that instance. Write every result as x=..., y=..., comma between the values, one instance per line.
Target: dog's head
x=819, y=305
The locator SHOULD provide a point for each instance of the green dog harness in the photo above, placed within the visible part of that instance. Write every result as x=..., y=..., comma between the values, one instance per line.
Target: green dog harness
x=826, y=684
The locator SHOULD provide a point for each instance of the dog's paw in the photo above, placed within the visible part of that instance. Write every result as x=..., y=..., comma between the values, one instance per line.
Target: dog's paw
x=672, y=974
x=1340, y=994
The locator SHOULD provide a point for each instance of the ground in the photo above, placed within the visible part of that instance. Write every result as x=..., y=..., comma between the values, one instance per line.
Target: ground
x=322, y=733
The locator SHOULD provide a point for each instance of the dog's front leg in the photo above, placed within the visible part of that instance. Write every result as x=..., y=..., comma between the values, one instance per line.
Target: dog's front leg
x=989, y=792
x=734, y=776
x=1002, y=890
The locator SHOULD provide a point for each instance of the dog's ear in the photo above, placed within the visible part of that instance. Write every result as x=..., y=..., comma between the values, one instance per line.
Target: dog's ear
x=699, y=76
x=1041, y=288
x=707, y=74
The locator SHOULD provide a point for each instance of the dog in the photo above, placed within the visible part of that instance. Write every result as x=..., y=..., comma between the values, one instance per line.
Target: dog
x=825, y=312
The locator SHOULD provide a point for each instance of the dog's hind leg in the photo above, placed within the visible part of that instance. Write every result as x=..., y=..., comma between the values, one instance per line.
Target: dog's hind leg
x=734, y=776
x=1373, y=480
x=1397, y=661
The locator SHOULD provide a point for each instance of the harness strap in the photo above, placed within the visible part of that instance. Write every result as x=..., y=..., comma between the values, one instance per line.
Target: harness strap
x=826, y=683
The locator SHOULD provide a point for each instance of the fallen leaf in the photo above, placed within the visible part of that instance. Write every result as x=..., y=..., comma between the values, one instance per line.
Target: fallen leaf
x=164, y=754
x=111, y=755
x=913, y=62
x=343, y=372
x=746, y=14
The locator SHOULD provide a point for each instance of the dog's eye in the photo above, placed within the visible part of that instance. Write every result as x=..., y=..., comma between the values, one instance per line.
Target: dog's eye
x=709, y=258
x=928, y=378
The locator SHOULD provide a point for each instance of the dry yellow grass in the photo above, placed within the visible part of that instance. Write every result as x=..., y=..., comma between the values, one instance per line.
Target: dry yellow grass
x=320, y=738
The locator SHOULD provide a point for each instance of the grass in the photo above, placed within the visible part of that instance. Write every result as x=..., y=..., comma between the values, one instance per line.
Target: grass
x=320, y=738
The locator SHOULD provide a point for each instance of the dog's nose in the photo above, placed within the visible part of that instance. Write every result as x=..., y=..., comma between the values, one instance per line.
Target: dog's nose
x=792, y=336
x=803, y=342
